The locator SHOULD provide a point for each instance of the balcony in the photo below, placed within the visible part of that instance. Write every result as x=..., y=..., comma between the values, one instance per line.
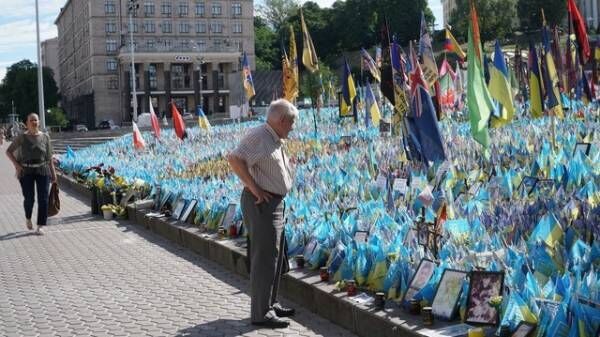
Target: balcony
x=179, y=49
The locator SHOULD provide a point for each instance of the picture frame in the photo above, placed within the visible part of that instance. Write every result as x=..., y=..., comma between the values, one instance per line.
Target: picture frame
x=361, y=236
x=422, y=275
x=163, y=200
x=583, y=147
x=185, y=215
x=524, y=329
x=483, y=286
x=178, y=209
x=227, y=219
x=448, y=293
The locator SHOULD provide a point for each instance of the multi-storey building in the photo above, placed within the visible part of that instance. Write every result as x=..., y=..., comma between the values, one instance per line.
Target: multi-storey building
x=448, y=7
x=589, y=11
x=49, y=50
x=183, y=50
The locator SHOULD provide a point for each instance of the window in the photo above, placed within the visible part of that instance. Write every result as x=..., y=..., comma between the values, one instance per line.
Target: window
x=183, y=9
x=109, y=7
x=111, y=65
x=167, y=27
x=216, y=9
x=200, y=27
x=112, y=83
x=236, y=9
x=132, y=29
x=152, y=77
x=165, y=9
x=237, y=28
x=111, y=27
x=201, y=45
x=217, y=43
x=149, y=27
x=149, y=9
x=200, y=9
x=150, y=45
x=184, y=27
x=166, y=45
x=185, y=45
x=216, y=27
x=177, y=76
x=111, y=45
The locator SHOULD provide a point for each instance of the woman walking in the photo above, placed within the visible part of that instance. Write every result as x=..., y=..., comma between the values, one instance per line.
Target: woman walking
x=34, y=167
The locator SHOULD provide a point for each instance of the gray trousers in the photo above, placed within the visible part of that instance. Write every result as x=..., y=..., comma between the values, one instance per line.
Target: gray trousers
x=264, y=223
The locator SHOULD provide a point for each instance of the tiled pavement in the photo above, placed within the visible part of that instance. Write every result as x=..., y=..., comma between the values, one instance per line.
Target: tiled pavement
x=91, y=277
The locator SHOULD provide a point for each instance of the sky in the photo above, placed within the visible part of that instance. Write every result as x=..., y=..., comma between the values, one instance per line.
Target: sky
x=18, y=33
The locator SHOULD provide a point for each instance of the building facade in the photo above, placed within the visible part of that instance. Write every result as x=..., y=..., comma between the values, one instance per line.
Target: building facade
x=589, y=11
x=49, y=50
x=184, y=51
x=448, y=7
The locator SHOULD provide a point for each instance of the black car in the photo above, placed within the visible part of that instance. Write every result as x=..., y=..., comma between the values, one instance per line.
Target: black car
x=107, y=124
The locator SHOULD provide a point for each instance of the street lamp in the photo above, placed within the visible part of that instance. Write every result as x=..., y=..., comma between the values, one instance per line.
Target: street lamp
x=133, y=6
x=40, y=71
x=199, y=67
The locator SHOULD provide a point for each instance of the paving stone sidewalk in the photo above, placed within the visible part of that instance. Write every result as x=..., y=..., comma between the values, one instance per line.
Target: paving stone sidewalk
x=91, y=277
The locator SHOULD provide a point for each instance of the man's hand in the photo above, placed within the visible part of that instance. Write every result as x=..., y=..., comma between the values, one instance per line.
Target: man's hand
x=261, y=195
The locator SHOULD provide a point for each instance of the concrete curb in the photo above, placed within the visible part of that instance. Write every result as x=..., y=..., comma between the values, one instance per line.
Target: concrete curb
x=302, y=286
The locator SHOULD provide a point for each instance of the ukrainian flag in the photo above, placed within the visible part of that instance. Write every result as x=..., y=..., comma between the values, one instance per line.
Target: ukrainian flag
x=499, y=87
x=247, y=78
x=535, y=85
x=202, y=120
x=551, y=78
x=372, y=107
x=547, y=230
x=348, y=92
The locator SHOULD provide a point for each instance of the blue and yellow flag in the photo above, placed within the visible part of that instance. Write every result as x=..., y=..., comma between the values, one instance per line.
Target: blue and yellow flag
x=348, y=92
x=371, y=104
x=369, y=63
x=247, y=78
x=202, y=120
x=551, y=77
x=499, y=87
x=535, y=84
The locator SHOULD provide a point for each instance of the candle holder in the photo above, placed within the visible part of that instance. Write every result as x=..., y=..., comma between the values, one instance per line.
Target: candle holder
x=427, y=314
x=380, y=300
x=414, y=307
x=324, y=273
x=300, y=261
x=350, y=287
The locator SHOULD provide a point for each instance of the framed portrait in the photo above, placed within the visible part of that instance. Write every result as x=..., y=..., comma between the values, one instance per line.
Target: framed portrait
x=178, y=209
x=484, y=285
x=157, y=197
x=527, y=184
x=163, y=200
x=227, y=219
x=524, y=329
x=361, y=236
x=583, y=147
x=187, y=212
x=424, y=272
x=448, y=293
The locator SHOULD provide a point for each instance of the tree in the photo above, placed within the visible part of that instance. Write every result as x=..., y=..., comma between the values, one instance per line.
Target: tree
x=276, y=12
x=530, y=16
x=20, y=85
x=265, y=45
x=497, y=18
x=56, y=117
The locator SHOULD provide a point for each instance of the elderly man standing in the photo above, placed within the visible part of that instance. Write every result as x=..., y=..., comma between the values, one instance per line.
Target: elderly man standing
x=262, y=166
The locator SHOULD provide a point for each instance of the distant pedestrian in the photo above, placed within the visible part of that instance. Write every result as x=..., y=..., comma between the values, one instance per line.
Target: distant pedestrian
x=31, y=154
x=260, y=163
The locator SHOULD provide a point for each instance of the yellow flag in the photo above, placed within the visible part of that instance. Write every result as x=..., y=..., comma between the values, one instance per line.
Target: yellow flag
x=309, y=55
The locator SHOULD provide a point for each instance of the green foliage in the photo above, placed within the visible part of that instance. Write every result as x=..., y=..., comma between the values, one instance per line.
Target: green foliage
x=276, y=12
x=20, y=86
x=56, y=117
x=313, y=84
x=497, y=19
x=265, y=46
x=530, y=16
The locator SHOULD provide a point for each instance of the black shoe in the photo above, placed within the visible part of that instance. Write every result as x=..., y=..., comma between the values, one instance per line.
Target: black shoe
x=282, y=311
x=273, y=323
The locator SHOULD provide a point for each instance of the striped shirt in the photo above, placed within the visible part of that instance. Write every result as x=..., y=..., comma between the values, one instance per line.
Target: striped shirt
x=261, y=149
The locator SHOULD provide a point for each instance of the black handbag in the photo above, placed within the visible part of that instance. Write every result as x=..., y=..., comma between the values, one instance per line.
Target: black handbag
x=53, y=200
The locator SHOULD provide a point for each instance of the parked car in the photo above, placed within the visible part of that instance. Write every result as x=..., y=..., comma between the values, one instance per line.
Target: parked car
x=108, y=124
x=80, y=128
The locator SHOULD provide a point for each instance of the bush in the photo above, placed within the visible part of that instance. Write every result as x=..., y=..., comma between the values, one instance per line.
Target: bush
x=56, y=117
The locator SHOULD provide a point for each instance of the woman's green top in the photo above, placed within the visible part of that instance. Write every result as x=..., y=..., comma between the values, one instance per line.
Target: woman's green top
x=33, y=152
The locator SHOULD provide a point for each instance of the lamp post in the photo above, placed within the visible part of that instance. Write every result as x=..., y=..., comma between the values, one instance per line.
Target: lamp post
x=40, y=71
x=133, y=6
x=200, y=63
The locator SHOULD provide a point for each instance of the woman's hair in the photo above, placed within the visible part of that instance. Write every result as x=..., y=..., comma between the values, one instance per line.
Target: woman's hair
x=29, y=115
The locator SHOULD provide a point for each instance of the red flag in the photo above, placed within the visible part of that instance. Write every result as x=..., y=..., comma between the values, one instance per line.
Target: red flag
x=138, y=140
x=177, y=121
x=580, y=31
x=154, y=121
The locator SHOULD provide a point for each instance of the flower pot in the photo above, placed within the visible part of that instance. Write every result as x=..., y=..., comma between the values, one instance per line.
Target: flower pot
x=108, y=214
